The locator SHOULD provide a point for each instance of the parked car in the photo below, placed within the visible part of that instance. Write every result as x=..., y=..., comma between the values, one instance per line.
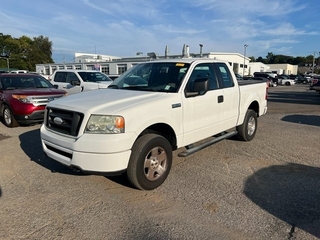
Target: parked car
x=315, y=84
x=23, y=98
x=76, y=81
x=299, y=79
x=268, y=75
x=19, y=71
x=269, y=81
x=286, y=81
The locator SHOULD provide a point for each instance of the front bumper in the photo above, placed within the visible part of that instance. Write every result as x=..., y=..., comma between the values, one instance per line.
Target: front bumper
x=108, y=154
x=34, y=117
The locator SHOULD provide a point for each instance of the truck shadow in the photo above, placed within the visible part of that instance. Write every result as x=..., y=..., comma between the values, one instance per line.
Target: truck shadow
x=289, y=192
x=30, y=143
x=312, y=120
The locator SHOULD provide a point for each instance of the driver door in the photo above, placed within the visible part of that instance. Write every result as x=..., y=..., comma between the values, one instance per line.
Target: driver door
x=204, y=113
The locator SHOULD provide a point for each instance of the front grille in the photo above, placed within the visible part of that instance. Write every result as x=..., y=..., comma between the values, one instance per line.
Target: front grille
x=63, y=121
x=43, y=100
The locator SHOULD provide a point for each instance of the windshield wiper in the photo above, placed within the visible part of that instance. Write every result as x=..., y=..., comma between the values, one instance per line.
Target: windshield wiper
x=142, y=88
x=113, y=86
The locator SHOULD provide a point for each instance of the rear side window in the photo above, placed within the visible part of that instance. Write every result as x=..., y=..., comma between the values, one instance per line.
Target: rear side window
x=225, y=75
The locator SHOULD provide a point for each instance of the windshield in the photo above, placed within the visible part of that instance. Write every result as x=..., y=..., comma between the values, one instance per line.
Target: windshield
x=94, y=77
x=22, y=82
x=153, y=76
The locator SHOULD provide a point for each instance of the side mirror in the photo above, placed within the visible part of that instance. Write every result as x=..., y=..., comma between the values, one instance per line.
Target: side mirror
x=56, y=86
x=198, y=87
x=75, y=83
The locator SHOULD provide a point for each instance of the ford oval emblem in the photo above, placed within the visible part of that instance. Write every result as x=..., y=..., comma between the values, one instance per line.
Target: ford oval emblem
x=58, y=120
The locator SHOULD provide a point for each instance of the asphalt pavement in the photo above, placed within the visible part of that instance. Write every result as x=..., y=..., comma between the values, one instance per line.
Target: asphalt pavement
x=268, y=188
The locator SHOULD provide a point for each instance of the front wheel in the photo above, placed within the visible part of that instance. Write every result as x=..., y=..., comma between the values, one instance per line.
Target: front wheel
x=8, y=118
x=150, y=162
x=248, y=129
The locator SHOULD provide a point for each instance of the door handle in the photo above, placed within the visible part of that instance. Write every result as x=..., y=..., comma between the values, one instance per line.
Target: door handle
x=220, y=99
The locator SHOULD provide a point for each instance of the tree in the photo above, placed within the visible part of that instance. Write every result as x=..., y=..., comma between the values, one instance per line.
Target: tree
x=24, y=52
x=270, y=58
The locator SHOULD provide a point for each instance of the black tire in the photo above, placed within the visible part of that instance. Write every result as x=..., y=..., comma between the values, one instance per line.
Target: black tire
x=8, y=118
x=248, y=129
x=287, y=83
x=146, y=170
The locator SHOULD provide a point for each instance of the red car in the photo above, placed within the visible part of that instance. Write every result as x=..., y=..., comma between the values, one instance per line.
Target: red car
x=23, y=98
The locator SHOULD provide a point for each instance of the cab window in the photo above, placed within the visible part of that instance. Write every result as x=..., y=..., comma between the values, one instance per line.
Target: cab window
x=225, y=75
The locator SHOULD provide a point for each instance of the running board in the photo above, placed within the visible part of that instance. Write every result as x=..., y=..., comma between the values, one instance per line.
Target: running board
x=192, y=150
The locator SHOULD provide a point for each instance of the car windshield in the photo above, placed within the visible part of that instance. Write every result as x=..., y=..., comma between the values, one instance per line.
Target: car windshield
x=94, y=77
x=22, y=82
x=152, y=76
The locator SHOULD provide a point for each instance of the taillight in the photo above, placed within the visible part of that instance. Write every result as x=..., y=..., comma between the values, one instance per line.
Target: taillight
x=266, y=97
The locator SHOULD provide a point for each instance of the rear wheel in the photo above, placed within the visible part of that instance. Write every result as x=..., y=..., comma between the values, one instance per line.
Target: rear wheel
x=287, y=83
x=8, y=118
x=248, y=129
x=150, y=162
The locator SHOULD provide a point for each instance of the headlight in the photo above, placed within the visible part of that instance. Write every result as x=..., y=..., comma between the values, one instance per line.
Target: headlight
x=23, y=98
x=105, y=124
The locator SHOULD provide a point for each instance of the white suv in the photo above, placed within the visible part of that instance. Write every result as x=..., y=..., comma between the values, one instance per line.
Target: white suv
x=76, y=81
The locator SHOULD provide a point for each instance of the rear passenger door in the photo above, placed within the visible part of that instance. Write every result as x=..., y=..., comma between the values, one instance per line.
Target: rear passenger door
x=231, y=95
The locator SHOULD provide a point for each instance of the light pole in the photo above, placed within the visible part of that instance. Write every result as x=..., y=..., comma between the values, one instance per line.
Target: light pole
x=244, y=58
x=314, y=53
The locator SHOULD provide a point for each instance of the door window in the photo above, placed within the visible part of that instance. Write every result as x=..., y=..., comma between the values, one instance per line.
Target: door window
x=204, y=70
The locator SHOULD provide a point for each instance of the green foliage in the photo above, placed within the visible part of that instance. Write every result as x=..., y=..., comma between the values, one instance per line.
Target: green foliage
x=278, y=59
x=24, y=52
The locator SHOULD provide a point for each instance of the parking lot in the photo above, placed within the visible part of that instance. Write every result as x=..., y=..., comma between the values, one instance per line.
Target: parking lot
x=268, y=188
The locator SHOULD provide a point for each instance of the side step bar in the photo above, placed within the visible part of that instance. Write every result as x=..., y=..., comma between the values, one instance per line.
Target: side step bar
x=192, y=150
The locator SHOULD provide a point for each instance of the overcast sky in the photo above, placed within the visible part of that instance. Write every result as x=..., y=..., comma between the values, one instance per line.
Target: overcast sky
x=125, y=27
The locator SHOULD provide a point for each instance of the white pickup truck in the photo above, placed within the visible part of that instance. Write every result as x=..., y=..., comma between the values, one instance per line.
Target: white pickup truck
x=75, y=81
x=151, y=110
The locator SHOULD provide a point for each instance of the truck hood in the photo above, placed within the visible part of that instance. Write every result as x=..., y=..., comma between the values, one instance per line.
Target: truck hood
x=110, y=101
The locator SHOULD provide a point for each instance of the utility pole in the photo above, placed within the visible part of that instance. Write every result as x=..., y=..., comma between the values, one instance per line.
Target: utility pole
x=244, y=58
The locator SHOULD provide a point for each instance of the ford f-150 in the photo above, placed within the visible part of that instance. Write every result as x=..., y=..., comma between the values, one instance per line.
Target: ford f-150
x=151, y=110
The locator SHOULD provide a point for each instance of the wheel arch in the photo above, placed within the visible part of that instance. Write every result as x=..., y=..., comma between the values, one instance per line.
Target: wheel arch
x=255, y=107
x=164, y=130
x=2, y=106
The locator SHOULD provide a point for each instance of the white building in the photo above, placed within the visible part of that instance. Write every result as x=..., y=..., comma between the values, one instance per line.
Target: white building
x=113, y=65
x=284, y=68
x=257, y=67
